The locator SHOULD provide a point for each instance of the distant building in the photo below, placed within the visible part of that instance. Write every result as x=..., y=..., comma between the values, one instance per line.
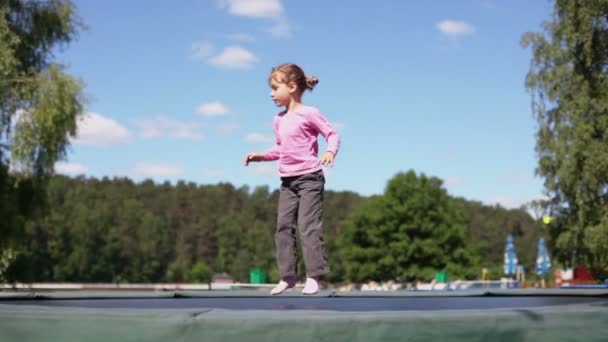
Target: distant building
x=222, y=278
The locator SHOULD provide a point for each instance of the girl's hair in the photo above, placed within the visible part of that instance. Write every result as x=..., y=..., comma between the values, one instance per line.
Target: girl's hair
x=286, y=73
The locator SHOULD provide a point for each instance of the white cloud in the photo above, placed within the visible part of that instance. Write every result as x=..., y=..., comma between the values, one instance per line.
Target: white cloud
x=455, y=28
x=241, y=37
x=157, y=170
x=515, y=177
x=215, y=108
x=260, y=9
x=207, y=173
x=259, y=138
x=202, y=50
x=281, y=29
x=454, y=181
x=148, y=129
x=163, y=126
x=270, y=9
x=228, y=127
x=507, y=202
x=70, y=168
x=266, y=170
x=233, y=57
x=94, y=129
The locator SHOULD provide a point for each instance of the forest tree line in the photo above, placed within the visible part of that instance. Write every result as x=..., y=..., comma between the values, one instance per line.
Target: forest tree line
x=56, y=228
x=116, y=230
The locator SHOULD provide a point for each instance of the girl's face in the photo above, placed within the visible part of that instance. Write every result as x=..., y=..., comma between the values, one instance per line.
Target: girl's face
x=280, y=93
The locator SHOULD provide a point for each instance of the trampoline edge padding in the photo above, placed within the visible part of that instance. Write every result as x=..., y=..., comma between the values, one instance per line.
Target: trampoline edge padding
x=585, y=322
x=324, y=293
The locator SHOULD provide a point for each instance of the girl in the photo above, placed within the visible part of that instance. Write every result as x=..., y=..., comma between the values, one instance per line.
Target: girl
x=302, y=181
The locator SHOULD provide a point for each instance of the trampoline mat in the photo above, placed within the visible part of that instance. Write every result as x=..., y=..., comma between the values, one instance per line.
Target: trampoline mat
x=514, y=315
x=318, y=303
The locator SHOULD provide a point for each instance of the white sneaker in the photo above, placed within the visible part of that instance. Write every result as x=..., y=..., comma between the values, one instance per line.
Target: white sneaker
x=311, y=287
x=281, y=287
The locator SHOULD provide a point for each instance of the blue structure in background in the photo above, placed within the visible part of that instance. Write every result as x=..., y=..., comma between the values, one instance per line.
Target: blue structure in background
x=510, y=257
x=543, y=262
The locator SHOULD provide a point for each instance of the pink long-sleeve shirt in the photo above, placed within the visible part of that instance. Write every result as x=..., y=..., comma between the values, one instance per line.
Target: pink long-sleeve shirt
x=296, y=146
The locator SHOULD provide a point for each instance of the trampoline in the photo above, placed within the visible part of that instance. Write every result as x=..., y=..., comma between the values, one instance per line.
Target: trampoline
x=249, y=315
x=331, y=301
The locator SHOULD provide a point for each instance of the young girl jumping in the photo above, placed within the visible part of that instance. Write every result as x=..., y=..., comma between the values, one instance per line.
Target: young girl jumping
x=302, y=181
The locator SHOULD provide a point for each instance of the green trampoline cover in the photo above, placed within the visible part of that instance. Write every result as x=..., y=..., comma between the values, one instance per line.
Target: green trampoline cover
x=33, y=320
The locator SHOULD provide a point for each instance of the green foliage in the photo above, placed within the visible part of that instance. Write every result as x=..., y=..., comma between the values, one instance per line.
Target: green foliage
x=488, y=226
x=596, y=239
x=495, y=272
x=176, y=272
x=103, y=230
x=200, y=273
x=7, y=256
x=568, y=79
x=39, y=102
x=77, y=229
x=39, y=107
x=412, y=231
x=18, y=201
x=42, y=131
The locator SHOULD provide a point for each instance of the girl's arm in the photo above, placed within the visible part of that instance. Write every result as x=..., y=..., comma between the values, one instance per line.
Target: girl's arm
x=271, y=154
x=327, y=131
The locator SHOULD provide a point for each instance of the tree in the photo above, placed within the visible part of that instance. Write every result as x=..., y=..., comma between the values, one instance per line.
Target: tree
x=113, y=230
x=487, y=228
x=6, y=257
x=200, y=273
x=338, y=207
x=538, y=208
x=39, y=104
x=412, y=231
x=568, y=80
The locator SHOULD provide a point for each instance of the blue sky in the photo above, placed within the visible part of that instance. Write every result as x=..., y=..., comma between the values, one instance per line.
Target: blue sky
x=178, y=90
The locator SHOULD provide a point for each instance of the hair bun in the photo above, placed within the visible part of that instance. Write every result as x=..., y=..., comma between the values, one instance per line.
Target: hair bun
x=311, y=82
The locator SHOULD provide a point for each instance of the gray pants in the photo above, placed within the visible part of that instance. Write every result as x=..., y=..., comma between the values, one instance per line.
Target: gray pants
x=301, y=204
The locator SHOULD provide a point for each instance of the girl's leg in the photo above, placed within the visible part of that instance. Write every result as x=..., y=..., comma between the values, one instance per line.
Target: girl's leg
x=285, y=236
x=310, y=225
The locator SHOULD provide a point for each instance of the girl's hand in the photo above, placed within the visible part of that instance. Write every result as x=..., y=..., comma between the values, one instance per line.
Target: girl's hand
x=327, y=159
x=253, y=157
